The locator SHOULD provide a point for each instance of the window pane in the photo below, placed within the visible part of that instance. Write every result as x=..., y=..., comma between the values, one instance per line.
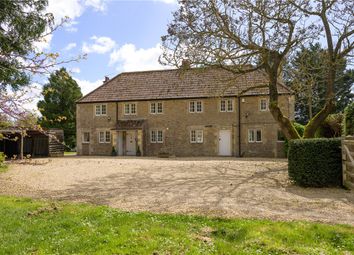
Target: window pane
x=199, y=136
x=222, y=105
x=133, y=108
x=251, y=135
x=281, y=136
x=86, y=137
x=230, y=107
x=126, y=109
x=101, y=137
x=193, y=139
x=159, y=107
x=263, y=104
x=153, y=136
x=159, y=136
x=108, y=137
x=199, y=106
x=259, y=135
x=98, y=110
x=103, y=109
x=191, y=106
x=152, y=108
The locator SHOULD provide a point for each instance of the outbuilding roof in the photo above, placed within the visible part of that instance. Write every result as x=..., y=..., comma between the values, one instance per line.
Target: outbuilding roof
x=175, y=84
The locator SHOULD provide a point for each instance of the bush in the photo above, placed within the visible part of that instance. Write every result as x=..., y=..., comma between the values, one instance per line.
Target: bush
x=348, y=120
x=2, y=159
x=315, y=162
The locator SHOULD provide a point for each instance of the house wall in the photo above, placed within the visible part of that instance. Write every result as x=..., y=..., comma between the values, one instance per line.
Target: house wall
x=176, y=123
x=87, y=121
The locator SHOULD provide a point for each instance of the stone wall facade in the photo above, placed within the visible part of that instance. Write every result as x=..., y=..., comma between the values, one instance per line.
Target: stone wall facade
x=176, y=122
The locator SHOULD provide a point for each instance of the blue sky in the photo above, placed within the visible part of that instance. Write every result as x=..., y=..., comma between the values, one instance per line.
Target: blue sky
x=116, y=35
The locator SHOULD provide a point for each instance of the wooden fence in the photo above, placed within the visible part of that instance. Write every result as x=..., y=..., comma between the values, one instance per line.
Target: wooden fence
x=348, y=161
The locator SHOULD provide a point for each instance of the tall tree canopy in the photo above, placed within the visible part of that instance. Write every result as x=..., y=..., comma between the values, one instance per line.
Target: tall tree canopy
x=230, y=34
x=306, y=74
x=58, y=104
x=22, y=23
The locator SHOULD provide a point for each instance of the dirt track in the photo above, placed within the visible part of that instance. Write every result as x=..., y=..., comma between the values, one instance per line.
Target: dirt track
x=255, y=188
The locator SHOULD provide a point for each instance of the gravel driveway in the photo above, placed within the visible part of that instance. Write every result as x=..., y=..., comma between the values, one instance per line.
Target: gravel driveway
x=252, y=188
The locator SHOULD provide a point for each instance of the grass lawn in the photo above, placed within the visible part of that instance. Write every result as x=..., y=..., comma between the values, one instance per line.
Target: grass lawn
x=36, y=227
x=69, y=153
x=3, y=168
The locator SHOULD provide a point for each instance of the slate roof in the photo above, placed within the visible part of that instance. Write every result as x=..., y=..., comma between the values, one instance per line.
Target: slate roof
x=174, y=84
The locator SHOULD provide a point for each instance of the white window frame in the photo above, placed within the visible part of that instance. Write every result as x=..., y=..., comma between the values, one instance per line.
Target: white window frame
x=254, y=135
x=130, y=107
x=83, y=137
x=266, y=103
x=154, y=133
x=194, y=134
x=227, y=102
x=155, y=105
x=104, y=137
x=194, y=109
x=99, y=108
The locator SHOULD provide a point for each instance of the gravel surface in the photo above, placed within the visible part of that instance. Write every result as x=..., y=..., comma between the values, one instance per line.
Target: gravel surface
x=250, y=188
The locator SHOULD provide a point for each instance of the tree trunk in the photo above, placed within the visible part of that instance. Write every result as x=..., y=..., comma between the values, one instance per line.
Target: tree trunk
x=315, y=122
x=284, y=123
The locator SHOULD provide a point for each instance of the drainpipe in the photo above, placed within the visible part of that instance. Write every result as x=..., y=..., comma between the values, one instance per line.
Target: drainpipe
x=239, y=125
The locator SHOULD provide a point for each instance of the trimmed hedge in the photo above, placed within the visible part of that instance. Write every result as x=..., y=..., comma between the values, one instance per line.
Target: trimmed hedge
x=315, y=162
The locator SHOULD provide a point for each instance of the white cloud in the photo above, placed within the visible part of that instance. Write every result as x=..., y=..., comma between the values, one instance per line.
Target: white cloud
x=98, y=5
x=43, y=43
x=70, y=46
x=101, y=45
x=87, y=86
x=129, y=58
x=68, y=10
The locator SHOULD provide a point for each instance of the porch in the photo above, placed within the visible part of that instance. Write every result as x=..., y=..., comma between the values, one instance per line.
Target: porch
x=128, y=138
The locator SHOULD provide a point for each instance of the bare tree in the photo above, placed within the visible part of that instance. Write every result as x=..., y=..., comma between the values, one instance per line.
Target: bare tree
x=258, y=34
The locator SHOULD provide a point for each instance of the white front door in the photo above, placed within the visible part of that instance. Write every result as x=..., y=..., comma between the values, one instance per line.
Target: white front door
x=225, y=143
x=130, y=143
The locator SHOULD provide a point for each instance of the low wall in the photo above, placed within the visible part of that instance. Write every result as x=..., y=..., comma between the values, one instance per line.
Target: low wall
x=348, y=161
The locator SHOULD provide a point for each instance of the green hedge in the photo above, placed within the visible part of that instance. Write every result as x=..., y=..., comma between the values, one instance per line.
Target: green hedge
x=315, y=162
x=348, y=120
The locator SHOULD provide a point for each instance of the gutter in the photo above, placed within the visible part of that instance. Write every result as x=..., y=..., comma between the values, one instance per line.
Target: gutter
x=239, y=125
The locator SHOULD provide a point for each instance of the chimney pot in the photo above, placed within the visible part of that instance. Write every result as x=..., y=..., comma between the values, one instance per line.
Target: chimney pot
x=106, y=78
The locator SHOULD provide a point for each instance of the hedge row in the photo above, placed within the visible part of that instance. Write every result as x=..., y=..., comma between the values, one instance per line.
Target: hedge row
x=315, y=162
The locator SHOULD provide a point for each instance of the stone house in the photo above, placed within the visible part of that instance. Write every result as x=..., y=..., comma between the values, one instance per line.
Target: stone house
x=197, y=112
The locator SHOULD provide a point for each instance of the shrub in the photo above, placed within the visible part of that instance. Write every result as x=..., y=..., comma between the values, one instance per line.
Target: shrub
x=315, y=162
x=348, y=120
x=2, y=159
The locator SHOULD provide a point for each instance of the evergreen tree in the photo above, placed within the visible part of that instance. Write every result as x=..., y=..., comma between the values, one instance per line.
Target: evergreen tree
x=58, y=104
x=305, y=74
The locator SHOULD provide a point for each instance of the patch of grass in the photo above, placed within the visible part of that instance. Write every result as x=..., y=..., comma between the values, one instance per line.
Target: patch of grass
x=69, y=153
x=3, y=168
x=37, y=227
